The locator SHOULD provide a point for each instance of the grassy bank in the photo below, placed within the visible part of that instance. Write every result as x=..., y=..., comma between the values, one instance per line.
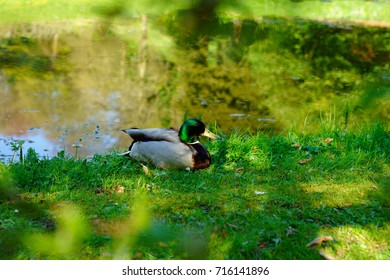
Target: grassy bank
x=264, y=197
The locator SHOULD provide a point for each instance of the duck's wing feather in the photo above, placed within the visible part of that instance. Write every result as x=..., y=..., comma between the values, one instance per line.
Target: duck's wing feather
x=163, y=154
x=153, y=134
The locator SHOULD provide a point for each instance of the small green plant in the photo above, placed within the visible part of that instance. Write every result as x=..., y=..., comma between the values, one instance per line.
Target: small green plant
x=17, y=147
x=77, y=147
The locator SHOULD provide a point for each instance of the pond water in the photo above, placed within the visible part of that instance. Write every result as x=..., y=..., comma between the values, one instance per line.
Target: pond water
x=73, y=86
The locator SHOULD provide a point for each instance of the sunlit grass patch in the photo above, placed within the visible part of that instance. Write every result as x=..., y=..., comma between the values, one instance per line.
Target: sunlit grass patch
x=335, y=194
x=357, y=243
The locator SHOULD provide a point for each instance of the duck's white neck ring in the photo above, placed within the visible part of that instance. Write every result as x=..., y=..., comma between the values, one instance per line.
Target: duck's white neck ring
x=196, y=142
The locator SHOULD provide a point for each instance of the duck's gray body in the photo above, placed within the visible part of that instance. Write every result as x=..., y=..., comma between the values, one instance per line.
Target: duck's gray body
x=164, y=149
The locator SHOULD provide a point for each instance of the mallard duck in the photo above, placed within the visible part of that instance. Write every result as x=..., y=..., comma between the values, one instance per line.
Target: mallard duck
x=169, y=148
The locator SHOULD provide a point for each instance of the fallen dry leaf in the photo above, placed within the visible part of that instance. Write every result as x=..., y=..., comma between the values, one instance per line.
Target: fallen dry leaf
x=326, y=256
x=262, y=245
x=145, y=169
x=119, y=189
x=296, y=145
x=138, y=255
x=304, y=161
x=319, y=240
x=328, y=140
x=239, y=169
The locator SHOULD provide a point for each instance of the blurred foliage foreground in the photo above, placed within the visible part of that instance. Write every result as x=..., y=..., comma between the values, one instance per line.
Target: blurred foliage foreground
x=264, y=197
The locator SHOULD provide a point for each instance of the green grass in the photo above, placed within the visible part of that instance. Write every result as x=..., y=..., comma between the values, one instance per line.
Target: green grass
x=255, y=202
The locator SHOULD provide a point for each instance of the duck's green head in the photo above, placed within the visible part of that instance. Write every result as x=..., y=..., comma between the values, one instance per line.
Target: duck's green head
x=191, y=129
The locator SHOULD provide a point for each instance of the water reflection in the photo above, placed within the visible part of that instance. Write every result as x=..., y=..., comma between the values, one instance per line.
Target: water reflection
x=64, y=88
x=33, y=138
x=85, y=97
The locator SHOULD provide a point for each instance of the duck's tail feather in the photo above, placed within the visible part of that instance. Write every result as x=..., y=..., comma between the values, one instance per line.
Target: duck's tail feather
x=124, y=154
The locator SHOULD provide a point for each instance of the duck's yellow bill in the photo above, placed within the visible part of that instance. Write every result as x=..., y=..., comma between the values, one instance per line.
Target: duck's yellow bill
x=209, y=134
